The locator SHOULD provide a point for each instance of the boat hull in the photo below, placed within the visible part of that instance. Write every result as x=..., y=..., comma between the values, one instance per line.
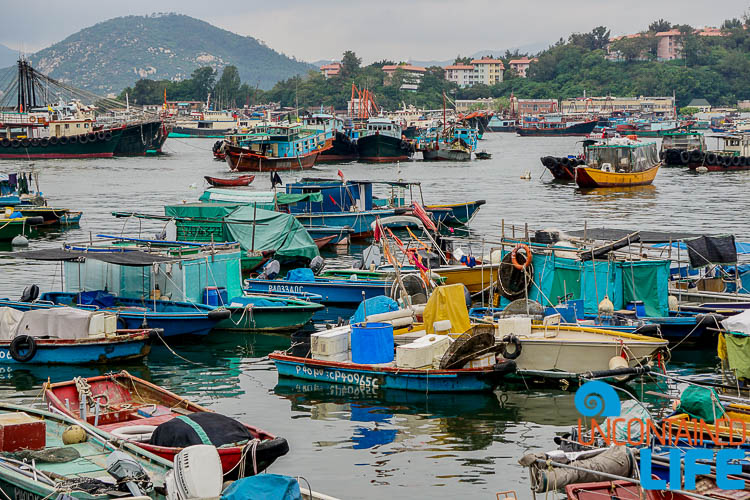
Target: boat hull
x=458, y=214
x=343, y=149
x=475, y=278
x=445, y=155
x=94, y=146
x=188, y=132
x=378, y=377
x=587, y=177
x=243, y=180
x=139, y=139
x=360, y=223
x=338, y=292
x=10, y=228
x=578, y=129
x=380, y=148
x=241, y=160
x=72, y=352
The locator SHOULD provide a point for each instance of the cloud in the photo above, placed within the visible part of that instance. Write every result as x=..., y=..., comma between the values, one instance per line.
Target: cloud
x=392, y=29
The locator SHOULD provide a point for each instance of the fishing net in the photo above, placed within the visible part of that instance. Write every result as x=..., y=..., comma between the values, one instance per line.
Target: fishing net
x=49, y=455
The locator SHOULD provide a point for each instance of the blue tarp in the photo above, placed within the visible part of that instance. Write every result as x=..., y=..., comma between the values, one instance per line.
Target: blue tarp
x=301, y=274
x=742, y=248
x=97, y=298
x=263, y=487
x=374, y=305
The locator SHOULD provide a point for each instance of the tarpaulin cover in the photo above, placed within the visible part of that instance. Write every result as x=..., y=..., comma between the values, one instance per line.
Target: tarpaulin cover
x=264, y=199
x=701, y=403
x=741, y=247
x=273, y=231
x=447, y=302
x=124, y=258
x=56, y=322
x=263, y=487
x=9, y=320
x=738, y=354
x=646, y=281
x=373, y=305
x=197, y=428
x=711, y=250
x=611, y=234
x=303, y=274
x=98, y=298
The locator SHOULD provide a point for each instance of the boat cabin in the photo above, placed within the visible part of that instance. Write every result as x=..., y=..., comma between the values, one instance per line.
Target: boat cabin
x=382, y=126
x=737, y=144
x=285, y=141
x=624, y=156
x=684, y=140
x=337, y=196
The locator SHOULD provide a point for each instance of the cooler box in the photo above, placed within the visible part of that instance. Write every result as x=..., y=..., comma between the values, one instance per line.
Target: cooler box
x=372, y=343
x=516, y=325
x=215, y=296
x=330, y=343
x=339, y=357
x=484, y=361
x=102, y=323
x=422, y=352
x=19, y=431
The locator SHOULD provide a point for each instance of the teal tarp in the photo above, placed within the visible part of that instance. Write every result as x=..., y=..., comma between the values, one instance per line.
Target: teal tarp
x=264, y=199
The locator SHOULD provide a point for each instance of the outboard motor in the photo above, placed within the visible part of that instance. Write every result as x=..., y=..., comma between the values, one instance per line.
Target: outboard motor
x=270, y=270
x=30, y=293
x=197, y=474
x=127, y=471
x=317, y=264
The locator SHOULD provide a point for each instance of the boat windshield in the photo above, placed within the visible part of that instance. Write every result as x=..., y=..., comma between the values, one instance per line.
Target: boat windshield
x=623, y=158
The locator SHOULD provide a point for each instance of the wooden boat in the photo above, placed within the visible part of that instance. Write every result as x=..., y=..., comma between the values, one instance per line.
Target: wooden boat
x=133, y=407
x=556, y=128
x=619, y=163
x=241, y=160
x=242, y=180
x=333, y=291
x=36, y=479
x=50, y=216
x=388, y=376
x=262, y=313
x=455, y=214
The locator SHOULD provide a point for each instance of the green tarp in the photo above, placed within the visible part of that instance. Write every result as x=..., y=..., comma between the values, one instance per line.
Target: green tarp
x=701, y=403
x=234, y=222
x=264, y=199
x=738, y=354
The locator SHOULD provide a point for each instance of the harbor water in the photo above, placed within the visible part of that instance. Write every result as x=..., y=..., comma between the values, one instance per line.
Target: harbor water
x=347, y=441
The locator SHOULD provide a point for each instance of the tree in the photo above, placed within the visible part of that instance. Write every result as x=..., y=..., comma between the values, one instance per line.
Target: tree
x=228, y=87
x=659, y=25
x=634, y=48
x=462, y=60
x=688, y=111
x=350, y=64
x=380, y=64
x=731, y=24
x=599, y=38
x=203, y=79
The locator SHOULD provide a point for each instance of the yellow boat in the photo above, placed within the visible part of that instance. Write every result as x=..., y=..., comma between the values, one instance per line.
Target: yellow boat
x=619, y=163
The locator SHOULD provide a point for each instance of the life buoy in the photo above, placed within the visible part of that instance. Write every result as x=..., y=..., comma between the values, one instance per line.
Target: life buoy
x=514, y=256
x=511, y=339
x=32, y=119
x=134, y=432
x=23, y=342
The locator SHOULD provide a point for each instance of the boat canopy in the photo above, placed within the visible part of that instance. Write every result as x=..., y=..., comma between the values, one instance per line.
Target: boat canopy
x=124, y=257
x=254, y=229
x=623, y=157
x=264, y=199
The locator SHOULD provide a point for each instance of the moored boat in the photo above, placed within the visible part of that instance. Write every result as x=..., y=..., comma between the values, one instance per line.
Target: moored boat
x=381, y=141
x=556, y=128
x=242, y=180
x=619, y=163
x=263, y=313
x=159, y=421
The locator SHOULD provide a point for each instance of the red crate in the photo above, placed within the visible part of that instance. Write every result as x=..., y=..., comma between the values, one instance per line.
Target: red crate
x=19, y=431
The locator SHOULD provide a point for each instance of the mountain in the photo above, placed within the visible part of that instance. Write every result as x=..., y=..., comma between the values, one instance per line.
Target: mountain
x=7, y=56
x=113, y=54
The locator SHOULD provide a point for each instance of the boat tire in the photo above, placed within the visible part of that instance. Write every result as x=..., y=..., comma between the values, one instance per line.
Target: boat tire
x=100, y=136
x=35, y=142
x=517, y=347
x=726, y=161
x=15, y=143
x=73, y=139
x=82, y=139
x=25, y=143
x=711, y=159
x=91, y=137
x=266, y=452
x=736, y=161
x=684, y=157
x=5, y=142
x=54, y=140
x=44, y=142
x=107, y=136
x=662, y=155
x=122, y=323
x=696, y=156
x=20, y=343
x=134, y=432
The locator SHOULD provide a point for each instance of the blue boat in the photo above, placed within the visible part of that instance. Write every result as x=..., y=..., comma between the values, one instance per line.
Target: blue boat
x=332, y=291
x=126, y=347
x=390, y=377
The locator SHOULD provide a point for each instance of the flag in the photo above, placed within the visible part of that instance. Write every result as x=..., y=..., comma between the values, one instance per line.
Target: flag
x=377, y=232
x=165, y=98
x=333, y=200
x=275, y=179
x=341, y=174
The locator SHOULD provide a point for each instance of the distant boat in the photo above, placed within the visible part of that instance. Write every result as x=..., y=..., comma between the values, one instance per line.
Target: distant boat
x=243, y=180
x=556, y=128
x=208, y=124
x=619, y=164
x=483, y=155
x=382, y=141
x=498, y=124
x=276, y=148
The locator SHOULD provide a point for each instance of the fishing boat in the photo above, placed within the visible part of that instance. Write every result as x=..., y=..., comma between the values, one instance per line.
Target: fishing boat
x=91, y=467
x=683, y=148
x=500, y=124
x=381, y=141
x=67, y=336
x=156, y=420
x=264, y=313
x=342, y=134
x=10, y=227
x=651, y=128
x=276, y=148
x=242, y=180
x=455, y=214
x=619, y=163
x=50, y=216
x=734, y=155
x=206, y=124
x=455, y=150
x=548, y=127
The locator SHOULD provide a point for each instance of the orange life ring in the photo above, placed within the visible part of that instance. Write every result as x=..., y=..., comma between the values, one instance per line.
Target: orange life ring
x=32, y=119
x=513, y=259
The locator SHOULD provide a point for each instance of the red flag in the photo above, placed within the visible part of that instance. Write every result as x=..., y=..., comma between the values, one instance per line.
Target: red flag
x=341, y=174
x=376, y=233
x=423, y=216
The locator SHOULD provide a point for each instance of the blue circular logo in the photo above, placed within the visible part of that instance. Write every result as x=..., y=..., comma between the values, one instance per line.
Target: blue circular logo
x=597, y=399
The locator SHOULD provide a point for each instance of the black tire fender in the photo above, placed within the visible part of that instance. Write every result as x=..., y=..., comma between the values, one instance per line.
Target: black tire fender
x=20, y=342
x=511, y=339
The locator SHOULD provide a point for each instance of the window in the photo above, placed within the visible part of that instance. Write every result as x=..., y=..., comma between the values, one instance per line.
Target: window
x=67, y=125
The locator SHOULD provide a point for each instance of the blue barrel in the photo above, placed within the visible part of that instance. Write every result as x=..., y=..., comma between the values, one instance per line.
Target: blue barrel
x=215, y=296
x=638, y=306
x=372, y=343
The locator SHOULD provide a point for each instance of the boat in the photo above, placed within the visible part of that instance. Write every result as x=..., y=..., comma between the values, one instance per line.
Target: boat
x=141, y=137
x=556, y=128
x=263, y=313
x=50, y=216
x=381, y=141
x=651, y=129
x=343, y=137
x=206, y=124
x=276, y=148
x=12, y=226
x=455, y=214
x=500, y=124
x=683, y=148
x=134, y=410
x=483, y=155
x=242, y=180
x=619, y=163
x=93, y=467
x=735, y=155
x=67, y=336
x=456, y=150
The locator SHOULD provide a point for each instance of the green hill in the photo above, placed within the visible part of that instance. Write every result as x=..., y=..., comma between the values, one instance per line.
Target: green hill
x=113, y=54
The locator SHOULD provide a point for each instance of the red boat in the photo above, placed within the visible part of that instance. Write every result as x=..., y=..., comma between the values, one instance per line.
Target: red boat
x=134, y=410
x=242, y=180
x=243, y=160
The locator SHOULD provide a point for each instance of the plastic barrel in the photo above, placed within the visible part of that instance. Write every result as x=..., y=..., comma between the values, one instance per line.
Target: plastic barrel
x=372, y=343
x=215, y=296
x=638, y=307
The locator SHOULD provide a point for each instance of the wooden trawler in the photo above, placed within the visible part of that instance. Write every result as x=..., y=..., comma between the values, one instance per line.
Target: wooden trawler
x=277, y=147
x=619, y=163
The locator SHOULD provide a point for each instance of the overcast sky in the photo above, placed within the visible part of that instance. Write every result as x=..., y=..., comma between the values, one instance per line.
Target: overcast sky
x=376, y=29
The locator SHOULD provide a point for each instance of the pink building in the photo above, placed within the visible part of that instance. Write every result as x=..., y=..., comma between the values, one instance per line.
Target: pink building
x=520, y=66
x=669, y=45
x=330, y=70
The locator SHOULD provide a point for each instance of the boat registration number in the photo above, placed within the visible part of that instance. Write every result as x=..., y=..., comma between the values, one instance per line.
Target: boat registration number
x=20, y=494
x=339, y=377
x=285, y=288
